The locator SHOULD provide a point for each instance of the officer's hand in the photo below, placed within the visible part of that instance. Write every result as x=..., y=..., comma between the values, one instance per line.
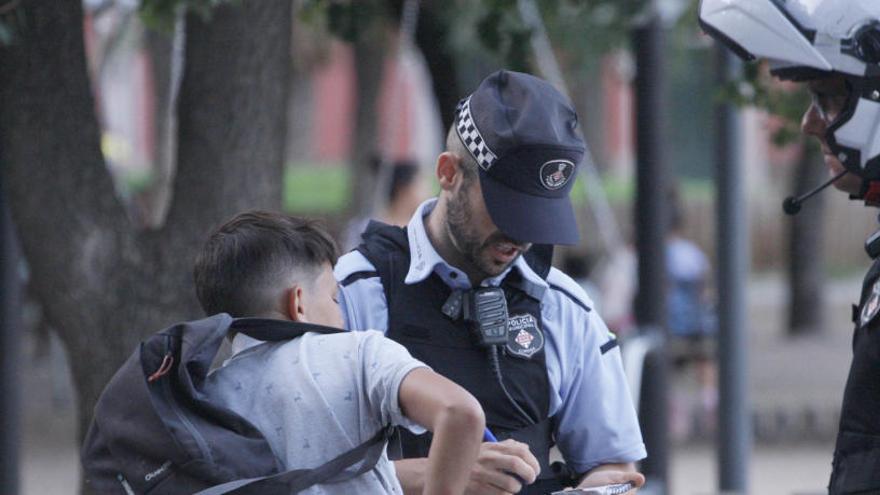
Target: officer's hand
x=496, y=465
x=610, y=477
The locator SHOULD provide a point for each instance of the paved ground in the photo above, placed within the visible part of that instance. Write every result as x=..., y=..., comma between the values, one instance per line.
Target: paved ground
x=775, y=470
x=795, y=388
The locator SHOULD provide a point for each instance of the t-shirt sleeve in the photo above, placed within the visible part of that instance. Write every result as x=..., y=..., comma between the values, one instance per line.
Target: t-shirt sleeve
x=385, y=364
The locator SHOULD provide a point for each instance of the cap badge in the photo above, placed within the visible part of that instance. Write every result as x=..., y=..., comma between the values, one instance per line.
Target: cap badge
x=556, y=173
x=524, y=338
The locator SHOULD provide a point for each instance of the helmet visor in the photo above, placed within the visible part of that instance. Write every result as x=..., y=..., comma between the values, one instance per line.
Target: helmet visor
x=761, y=29
x=727, y=41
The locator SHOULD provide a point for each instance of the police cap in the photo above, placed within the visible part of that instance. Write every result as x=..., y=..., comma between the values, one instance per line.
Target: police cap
x=525, y=139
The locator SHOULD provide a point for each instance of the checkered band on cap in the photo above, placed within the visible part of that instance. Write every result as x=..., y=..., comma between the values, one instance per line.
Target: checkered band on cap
x=470, y=135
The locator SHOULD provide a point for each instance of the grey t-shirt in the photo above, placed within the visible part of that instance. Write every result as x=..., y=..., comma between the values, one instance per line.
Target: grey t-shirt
x=318, y=396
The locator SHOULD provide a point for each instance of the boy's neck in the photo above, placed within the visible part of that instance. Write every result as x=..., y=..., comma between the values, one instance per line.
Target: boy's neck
x=273, y=315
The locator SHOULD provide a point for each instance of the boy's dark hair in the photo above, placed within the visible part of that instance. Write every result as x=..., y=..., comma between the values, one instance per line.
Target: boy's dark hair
x=250, y=257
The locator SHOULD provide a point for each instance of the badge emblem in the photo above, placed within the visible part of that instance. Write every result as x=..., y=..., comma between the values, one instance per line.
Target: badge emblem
x=872, y=305
x=524, y=338
x=556, y=173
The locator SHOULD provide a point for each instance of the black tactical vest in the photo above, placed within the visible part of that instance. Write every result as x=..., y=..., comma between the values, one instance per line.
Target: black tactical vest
x=416, y=321
x=857, y=453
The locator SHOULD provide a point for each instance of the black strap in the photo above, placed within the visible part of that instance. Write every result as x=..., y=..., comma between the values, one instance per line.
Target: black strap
x=540, y=259
x=269, y=330
x=354, y=277
x=297, y=480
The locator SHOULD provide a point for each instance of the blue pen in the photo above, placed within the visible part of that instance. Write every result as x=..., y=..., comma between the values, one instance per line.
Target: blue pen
x=488, y=436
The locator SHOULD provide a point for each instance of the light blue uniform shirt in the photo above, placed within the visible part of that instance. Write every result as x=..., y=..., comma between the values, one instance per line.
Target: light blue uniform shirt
x=596, y=422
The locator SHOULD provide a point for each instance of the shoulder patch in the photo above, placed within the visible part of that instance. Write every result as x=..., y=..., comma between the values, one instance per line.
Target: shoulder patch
x=564, y=284
x=607, y=346
x=350, y=264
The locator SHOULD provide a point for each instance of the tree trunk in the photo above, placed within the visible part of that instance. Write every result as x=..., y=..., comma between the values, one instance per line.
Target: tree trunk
x=806, y=310
x=104, y=283
x=370, y=48
x=432, y=38
x=231, y=117
x=72, y=227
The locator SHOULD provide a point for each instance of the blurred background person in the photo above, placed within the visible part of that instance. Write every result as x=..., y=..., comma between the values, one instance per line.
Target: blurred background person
x=406, y=188
x=690, y=322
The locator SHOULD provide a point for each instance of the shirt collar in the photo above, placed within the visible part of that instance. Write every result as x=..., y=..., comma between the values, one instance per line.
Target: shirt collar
x=424, y=259
x=423, y=256
x=242, y=342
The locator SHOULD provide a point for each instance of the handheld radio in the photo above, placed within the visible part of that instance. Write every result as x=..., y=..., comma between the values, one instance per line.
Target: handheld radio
x=485, y=311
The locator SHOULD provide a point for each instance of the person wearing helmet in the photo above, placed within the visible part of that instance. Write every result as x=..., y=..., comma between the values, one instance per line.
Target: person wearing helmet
x=832, y=46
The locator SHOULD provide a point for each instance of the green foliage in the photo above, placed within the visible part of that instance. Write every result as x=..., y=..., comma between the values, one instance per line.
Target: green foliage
x=582, y=30
x=347, y=20
x=757, y=88
x=501, y=30
x=586, y=29
x=316, y=188
x=160, y=14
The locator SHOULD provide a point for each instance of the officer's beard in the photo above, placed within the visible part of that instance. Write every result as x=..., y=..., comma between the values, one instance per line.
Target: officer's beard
x=473, y=251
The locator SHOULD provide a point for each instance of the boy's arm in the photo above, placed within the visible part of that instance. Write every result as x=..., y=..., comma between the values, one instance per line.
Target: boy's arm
x=458, y=460
x=457, y=421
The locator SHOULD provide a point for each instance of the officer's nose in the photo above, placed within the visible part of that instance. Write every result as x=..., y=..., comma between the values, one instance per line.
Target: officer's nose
x=812, y=123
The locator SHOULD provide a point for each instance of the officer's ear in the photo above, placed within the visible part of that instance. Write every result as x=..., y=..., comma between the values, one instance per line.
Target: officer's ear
x=448, y=170
x=295, y=307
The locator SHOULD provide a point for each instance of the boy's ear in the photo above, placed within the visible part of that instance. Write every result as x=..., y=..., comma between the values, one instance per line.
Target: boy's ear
x=295, y=307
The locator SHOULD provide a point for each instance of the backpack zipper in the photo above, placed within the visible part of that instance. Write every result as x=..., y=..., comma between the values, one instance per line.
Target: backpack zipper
x=125, y=486
x=166, y=387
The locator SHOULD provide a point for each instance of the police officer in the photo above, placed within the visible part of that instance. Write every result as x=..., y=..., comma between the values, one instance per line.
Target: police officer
x=467, y=287
x=833, y=46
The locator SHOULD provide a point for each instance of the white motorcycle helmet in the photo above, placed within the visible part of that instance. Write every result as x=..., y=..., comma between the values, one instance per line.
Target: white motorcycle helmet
x=810, y=39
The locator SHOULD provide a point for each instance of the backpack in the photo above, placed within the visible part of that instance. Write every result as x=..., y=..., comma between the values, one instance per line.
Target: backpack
x=154, y=430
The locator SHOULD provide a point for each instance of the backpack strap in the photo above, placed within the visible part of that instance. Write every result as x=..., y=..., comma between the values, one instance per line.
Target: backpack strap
x=269, y=330
x=297, y=480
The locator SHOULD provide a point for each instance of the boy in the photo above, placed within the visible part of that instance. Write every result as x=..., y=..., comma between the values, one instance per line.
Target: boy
x=317, y=396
